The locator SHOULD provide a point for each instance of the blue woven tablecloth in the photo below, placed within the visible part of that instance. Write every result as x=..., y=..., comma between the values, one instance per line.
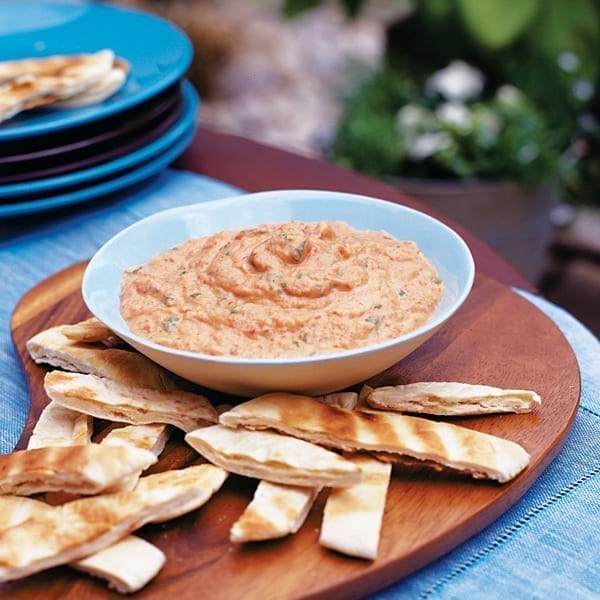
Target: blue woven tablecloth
x=546, y=546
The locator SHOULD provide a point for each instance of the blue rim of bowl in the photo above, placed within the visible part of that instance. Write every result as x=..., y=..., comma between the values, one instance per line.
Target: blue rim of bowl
x=432, y=324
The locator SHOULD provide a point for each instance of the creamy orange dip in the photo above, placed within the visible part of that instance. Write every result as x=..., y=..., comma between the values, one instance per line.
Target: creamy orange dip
x=285, y=290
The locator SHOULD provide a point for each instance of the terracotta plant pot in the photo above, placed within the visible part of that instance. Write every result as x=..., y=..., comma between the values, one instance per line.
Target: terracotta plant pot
x=511, y=218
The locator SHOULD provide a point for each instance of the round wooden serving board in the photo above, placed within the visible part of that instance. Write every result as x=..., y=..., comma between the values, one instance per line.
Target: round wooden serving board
x=497, y=338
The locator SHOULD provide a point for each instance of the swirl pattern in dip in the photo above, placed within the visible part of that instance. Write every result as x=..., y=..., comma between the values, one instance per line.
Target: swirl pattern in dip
x=284, y=290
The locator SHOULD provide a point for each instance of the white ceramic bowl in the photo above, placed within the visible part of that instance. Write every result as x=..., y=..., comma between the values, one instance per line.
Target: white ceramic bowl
x=245, y=376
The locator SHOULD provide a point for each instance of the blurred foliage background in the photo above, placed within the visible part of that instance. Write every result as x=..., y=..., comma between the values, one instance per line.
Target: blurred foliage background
x=548, y=49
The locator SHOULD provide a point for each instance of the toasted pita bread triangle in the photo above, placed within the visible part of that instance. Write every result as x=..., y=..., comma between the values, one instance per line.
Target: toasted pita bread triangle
x=127, y=565
x=54, y=347
x=15, y=510
x=60, y=426
x=74, y=530
x=89, y=331
x=28, y=91
x=451, y=398
x=272, y=456
x=57, y=65
x=479, y=454
x=204, y=480
x=276, y=510
x=108, y=399
x=88, y=469
x=352, y=516
x=104, y=88
x=347, y=400
x=152, y=437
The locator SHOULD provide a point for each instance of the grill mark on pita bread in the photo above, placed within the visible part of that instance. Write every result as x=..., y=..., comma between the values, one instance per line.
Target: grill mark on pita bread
x=276, y=510
x=354, y=502
x=431, y=439
x=353, y=516
x=451, y=445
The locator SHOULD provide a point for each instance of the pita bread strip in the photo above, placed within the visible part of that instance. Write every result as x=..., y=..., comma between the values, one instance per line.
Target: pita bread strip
x=101, y=90
x=54, y=65
x=128, y=565
x=89, y=331
x=53, y=347
x=28, y=91
x=347, y=400
x=60, y=426
x=88, y=469
x=479, y=454
x=202, y=479
x=363, y=394
x=15, y=510
x=108, y=399
x=352, y=516
x=450, y=398
x=152, y=437
x=276, y=510
x=272, y=456
x=22, y=94
x=77, y=529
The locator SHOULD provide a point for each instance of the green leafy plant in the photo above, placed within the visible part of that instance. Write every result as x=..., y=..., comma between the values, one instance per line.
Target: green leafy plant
x=440, y=128
x=546, y=51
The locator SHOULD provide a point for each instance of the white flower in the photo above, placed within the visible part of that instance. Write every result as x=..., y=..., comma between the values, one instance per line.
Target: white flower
x=528, y=153
x=410, y=116
x=458, y=81
x=427, y=144
x=568, y=61
x=455, y=114
x=583, y=90
x=508, y=94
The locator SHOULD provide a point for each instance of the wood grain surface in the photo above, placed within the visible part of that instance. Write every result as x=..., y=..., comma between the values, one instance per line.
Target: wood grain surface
x=497, y=338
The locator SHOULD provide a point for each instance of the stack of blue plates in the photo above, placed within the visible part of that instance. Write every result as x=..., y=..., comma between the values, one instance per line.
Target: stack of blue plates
x=51, y=158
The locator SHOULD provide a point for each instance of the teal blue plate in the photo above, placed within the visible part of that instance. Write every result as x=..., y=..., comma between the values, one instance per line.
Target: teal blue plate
x=115, y=176
x=93, y=192
x=13, y=192
x=159, y=54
